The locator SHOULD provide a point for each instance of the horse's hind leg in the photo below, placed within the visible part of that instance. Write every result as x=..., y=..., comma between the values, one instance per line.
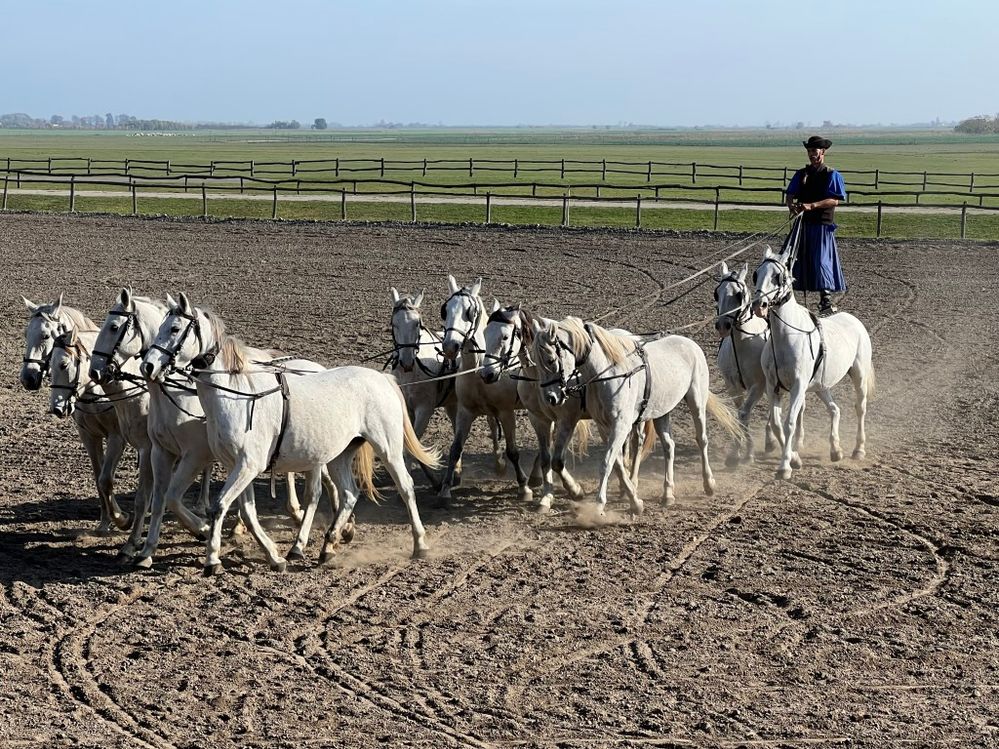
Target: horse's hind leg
x=860, y=389
x=239, y=479
x=395, y=465
x=104, y=461
x=835, y=451
x=662, y=425
x=697, y=404
x=742, y=402
x=343, y=477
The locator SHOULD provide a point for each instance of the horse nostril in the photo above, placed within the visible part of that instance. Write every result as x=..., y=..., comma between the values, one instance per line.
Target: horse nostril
x=147, y=369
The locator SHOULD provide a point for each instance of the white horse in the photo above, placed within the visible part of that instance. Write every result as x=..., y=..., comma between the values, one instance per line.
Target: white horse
x=629, y=383
x=97, y=426
x=72, y=385
x=464, y=318
x=743, y=337
x=808, y=354
x=259, y=419
x=423, y=376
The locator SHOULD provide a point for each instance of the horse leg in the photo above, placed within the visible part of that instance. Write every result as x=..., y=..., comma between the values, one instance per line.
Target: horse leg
x=799, y=437
x=496, y=429
x=451, y=409
x=142, y=492
x=835, y=451
x=343, y=476
x=248, y=511
x=619, y=434
x=240, y=477
x=662, y=425
x=462, y=426
x=313, y=491
x=860, y=389
x=753, y=396
x=334, y=496
x=95, y=451
x=204, y=490
x=564, y=429
x=291, y=504
x=395, y=465
x=508, y=421
x=697, y=405
x=741, y=400
x=792, y=419
x=543, y=460
x=421, y=419
x=176, y=478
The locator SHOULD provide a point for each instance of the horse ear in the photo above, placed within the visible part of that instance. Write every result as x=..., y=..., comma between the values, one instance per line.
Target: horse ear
x=32, y=307
x=536, y=326
x=395, y=294
x=71, y=337
x=185, y=304
x=452, y=285
x=496, y=306
x=767, y=252
x=551, y=331
x=743, y=272
x=419, y=298
x=171, y=303
x=57, y=308
x=126, y=297
x=723, y=269
x=477, y=286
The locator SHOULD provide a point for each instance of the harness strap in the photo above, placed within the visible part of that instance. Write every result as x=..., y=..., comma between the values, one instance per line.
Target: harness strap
x=283, y=387
x=648, y=381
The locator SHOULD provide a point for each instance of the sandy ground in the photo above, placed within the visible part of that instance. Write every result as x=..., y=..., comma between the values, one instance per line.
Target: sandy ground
x=855, y=604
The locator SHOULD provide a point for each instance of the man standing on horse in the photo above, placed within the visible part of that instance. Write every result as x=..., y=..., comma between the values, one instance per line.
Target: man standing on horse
x=814, y=192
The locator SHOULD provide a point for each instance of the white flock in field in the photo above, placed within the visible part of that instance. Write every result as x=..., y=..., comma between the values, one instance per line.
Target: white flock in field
x=166, y=378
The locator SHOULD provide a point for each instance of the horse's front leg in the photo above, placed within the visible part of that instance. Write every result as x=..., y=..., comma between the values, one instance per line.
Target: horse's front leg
x=835, y=451
x=564, y=431
x=753, y=395
x=619, y=433
x=142, y=497
x=789, y=456
x=496, y=428
x=462, y=426
x=169, y=484
x=248, y=511
x=240, y=477
x=313, y=491
x=740, y=397
x=543, y=461
x=508, y=420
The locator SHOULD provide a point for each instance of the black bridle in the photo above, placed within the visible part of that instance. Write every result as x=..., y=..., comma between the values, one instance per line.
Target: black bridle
x=397, y=346
x=46, y=360
x=471, y=315
x=192, y=324
x=112, y=363
x=573, y=380
x=505, y=358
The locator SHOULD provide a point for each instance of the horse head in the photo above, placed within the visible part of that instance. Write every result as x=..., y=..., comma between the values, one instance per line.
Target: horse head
x=555, y=361
x=732, y=298
x=407, y=327
x=772, y=280
x=121, y=336
x=504, y=338
x=45, y=325
x=181, y=337
x=69, y=360
x=462, y=315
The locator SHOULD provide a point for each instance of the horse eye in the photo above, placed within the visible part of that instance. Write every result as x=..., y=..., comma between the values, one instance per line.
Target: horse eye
x=114, y=328
x=175, y=329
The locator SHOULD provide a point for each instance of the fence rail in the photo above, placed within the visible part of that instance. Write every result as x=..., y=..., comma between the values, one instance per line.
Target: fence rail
x=647, y=170
x=658, y=194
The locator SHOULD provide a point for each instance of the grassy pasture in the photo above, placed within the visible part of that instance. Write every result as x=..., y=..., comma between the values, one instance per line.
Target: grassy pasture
x=915, y=151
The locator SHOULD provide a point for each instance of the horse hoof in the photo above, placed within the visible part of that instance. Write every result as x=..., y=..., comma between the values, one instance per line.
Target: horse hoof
x=125, y=557
x=144, y=563
x=783, y=473
x=281, y=566
x=325, y=558
x=123, y=522
x=525, y=494
x=796, y=461
x=421, y=553
x=296, y=554
x=535, y=481
x=859, y=454
x=835, y=455
x=213, y=569
x=638, y=507
x=709, y=487
x=347, y=534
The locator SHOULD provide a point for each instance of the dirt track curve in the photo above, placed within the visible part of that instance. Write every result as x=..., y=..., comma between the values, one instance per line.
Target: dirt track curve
x=853, y=605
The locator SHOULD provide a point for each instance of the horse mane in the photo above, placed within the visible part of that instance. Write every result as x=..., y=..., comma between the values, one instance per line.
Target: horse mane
x=76, y=349
x=234, y=355
x=405, y=302
x=76, y=318
x=617, y=348
x=149, y=301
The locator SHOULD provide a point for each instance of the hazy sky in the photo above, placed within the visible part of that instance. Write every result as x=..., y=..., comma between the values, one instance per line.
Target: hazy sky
x=504, y=62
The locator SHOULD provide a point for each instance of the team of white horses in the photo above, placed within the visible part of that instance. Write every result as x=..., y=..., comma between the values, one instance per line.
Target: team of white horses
x=166, y=378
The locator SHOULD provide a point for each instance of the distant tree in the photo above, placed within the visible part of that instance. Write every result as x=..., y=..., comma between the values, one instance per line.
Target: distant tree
x=826, y=124
x=109, y=121
x=982, y=124
x=319, y=124
x=56, y=120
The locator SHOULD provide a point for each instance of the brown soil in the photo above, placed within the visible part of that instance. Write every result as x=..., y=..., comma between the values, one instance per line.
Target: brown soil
x=856, y=602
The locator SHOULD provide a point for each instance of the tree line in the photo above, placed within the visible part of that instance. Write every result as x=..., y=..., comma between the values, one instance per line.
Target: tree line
x=109, y=121
x=980, y=125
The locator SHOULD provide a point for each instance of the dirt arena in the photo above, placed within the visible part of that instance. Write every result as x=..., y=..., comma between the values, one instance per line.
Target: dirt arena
x=855, y=604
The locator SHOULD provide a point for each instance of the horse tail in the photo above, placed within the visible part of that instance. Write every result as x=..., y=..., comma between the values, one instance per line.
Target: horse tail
x=363, y=469
x=870, y=382
x=429, y=457
x=725, y=415
x=650, y=438
x=581, y=438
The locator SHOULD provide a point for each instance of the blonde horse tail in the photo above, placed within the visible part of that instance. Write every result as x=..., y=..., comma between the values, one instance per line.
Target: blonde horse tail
x=870, y=382
x=725, y=415
x=363, y=468
x=650, y=439
x=581, y=438
x=429, y=457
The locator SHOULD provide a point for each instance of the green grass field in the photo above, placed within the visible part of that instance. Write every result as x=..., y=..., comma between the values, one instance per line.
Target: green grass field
x=886, y=150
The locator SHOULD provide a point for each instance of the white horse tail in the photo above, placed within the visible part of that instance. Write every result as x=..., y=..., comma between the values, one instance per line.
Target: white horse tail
x=650, y=439
x=431, y=458
x=581, y=438
x=725, y=415
x=363, y=469
x=870, y=382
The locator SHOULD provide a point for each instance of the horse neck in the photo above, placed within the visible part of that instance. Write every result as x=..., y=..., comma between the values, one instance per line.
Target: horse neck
x=789, y=319
x=149, y=315
x=472, y=359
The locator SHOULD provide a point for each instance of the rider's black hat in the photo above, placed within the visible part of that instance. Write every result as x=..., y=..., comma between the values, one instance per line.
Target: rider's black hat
x=817, y=142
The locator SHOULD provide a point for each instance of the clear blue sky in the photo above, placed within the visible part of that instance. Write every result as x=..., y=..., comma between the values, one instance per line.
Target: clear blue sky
x=503, y=62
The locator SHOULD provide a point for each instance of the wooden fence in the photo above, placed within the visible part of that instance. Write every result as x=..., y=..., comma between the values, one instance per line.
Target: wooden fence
x=642, y=170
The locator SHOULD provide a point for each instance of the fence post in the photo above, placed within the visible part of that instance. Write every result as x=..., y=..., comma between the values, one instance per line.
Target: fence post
x=924, y=181
x=878, y=231
x=877, y=178
x=562, y=172
x=534, y=189
x=516, y=167
x=471, y=172
x=126, y=166
x=211, y=168
x=72, y=194
x=489, y=207
x=274, y=205
x=298, y=187
x=603, y=170
x=185, y=183
x=382, y=169
x=648, y=174
x=50, y=165
x=135, y=201
x=343, y=205
x=693, y=173
x=598, y=192
x=412, y=202
x=740, y=175
x=717, y=201
x=565, y=210
x=424, y=167
x=638, y=211
x=204, y=201
x=971, y=186
x=241, y=184
x=253, y=167
x=294, y=167
x=336, y=167
x=18, y=179
x=88, y=165
x=785, y=175
x=6, y=179
x=964, y=220
x=168, y=167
